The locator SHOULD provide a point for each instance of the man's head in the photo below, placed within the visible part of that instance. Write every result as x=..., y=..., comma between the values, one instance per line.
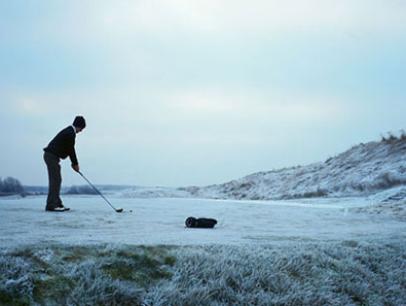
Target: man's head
x=79, y=123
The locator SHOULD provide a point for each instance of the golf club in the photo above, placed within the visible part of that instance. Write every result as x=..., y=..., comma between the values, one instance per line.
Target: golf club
x=119, y=210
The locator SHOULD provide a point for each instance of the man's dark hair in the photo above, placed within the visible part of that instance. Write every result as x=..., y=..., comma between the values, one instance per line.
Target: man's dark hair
x=79, y=122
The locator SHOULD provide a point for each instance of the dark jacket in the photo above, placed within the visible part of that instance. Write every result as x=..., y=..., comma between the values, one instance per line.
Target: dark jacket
x=63, y=145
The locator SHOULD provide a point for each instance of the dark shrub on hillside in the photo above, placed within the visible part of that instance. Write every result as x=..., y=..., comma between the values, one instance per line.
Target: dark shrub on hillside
x=387, y=180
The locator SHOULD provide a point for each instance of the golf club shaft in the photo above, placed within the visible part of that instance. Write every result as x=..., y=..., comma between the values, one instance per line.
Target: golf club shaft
x=97, y=190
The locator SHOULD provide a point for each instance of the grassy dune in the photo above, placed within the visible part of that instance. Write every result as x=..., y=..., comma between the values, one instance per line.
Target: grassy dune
x=330, y=274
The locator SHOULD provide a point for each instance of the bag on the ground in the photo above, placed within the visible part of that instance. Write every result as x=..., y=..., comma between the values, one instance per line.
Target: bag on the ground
x=200, y=222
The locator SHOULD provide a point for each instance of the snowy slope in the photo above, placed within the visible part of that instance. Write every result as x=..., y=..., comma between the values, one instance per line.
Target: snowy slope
x=362, y=170
x=145, y=192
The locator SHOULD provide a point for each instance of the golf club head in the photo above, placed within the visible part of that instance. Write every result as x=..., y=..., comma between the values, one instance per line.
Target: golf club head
x=119, y=210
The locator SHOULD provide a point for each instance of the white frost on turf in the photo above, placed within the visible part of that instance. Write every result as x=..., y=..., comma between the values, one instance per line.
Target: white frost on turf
x=161, y=221
x=347, y=273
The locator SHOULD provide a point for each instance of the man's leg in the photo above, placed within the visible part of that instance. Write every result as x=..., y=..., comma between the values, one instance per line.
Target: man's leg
x=55, y=180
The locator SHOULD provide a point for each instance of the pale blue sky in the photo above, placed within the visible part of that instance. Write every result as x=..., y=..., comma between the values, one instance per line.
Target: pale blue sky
x=182, y=92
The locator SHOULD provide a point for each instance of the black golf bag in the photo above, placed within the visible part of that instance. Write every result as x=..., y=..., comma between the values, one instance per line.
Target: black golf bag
x=200, y=222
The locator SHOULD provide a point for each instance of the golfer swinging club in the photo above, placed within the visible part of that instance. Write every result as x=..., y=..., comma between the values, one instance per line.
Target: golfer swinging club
x=62, y=146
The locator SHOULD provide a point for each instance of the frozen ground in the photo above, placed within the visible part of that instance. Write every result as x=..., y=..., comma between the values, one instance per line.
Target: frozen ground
x=161, y=221
x=308, y=252
x=347, y=273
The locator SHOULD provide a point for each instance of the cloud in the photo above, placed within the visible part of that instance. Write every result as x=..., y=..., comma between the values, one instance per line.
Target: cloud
x=172, y=17
x=28, y=106
x=226, y=15
x=182, y=117
x=258, y=105
x=78, y=22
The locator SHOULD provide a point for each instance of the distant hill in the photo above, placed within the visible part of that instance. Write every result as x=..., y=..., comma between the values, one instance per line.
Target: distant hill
x=76, y=189
x=362, y=170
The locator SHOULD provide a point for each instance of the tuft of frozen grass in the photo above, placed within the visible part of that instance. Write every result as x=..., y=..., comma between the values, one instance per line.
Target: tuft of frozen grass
x=395, y=209
x=77, y=275
x=338, y=274
x=390, y=203
x=346, y=273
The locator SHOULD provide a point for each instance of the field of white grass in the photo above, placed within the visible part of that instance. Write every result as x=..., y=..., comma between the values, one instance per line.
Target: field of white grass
x=161, y=221
x=301, y=252
x=346, y=273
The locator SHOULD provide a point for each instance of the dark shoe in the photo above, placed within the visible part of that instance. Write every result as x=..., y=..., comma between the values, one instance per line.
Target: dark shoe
x=65, y=208
x=56, y=209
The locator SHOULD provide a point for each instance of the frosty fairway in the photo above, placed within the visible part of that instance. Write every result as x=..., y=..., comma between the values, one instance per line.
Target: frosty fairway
x=161, y=221
x=119, y=210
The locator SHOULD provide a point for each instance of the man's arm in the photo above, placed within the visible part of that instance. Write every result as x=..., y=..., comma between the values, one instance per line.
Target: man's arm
x=72, y=156
x=74, y=160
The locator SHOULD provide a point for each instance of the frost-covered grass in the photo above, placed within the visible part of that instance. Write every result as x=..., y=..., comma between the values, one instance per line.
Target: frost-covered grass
x=394, y=209
x=162, y=221
x=391, y=202
x=347, y=273
x=81, y=275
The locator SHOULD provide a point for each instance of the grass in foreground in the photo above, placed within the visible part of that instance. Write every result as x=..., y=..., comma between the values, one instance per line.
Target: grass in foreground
x=311, y=274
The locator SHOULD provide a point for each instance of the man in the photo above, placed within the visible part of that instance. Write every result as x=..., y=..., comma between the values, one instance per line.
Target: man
x=62, y=146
